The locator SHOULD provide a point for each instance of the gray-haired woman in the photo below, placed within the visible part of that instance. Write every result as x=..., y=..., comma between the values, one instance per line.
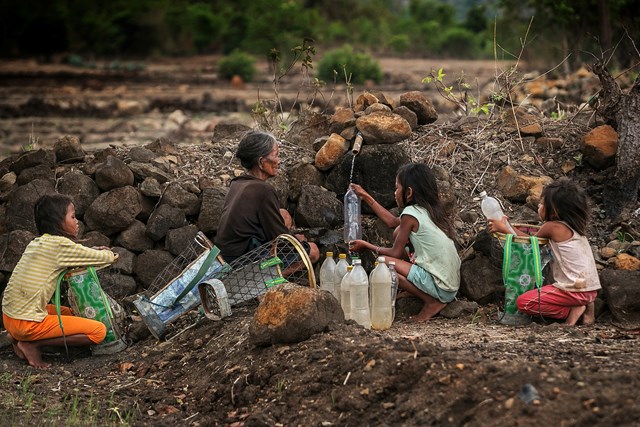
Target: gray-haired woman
x=251, y=214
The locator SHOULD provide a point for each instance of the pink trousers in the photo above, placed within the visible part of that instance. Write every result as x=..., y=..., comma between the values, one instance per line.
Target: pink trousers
x=553, y=302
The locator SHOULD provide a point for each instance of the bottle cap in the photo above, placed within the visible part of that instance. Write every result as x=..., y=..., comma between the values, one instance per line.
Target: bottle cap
x=357, y=261
x=483, y=194
x=381, y=259
x=329, y=254
x=343, y=256
x=392, y=263
x=349, y=267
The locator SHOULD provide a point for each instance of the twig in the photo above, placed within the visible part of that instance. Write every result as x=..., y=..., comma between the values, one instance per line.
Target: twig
x=347, y=379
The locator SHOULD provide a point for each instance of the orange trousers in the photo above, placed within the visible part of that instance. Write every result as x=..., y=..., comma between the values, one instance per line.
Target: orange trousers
x=26, y=330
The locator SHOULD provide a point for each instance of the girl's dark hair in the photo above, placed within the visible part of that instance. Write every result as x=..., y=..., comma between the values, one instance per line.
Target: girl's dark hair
x=253, y=145
x=49, y=213
x=564, y=200
x=423, y=182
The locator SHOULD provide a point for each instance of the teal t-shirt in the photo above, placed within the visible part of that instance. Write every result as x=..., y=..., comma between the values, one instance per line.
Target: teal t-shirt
x=434, y=250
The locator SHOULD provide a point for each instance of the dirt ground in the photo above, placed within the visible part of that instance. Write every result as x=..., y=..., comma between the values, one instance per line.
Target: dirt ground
x=469, y=370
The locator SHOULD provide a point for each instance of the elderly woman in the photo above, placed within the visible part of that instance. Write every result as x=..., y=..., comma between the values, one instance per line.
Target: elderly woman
x=251, y=214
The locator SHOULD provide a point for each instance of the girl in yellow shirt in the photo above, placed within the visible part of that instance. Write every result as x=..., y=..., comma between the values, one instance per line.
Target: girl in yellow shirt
x=28, y=318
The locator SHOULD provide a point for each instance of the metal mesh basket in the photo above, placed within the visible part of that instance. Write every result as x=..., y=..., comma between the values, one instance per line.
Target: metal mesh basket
x=281, y=260
x=180, y=263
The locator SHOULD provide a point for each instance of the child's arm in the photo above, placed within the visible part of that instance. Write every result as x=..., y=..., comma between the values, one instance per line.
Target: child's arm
x=504, y=226
x=407, y=224
x=555, y=231
x=72, y=254
x=387, y=217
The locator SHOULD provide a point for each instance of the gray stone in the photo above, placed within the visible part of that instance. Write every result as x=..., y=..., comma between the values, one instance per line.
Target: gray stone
x=113, y=211
x=458, y=308
x=141, y=154
x=81, y=188
x=113, y=173
x=21, y=202
x=144, y=170
x=302, y=174
x=163, y=219
x=135, y=237
x=318, y=207
x=117, y=285
x=481, y=280
x=179, y=239
x=228, y=131
x=33, y=158
x=621, y=290
x=150, y=187
x=290, y=313
x=211, y=208
x=36, y=172
x=126, y=260
x=375, y=169
x=68, y=149
x=309, y=126
x=175, y=195
x=150, y=264
x=408, y=115
x=12, y=247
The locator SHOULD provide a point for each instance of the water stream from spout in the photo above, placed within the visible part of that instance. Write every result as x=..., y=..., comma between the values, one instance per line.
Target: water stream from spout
x=353, y=162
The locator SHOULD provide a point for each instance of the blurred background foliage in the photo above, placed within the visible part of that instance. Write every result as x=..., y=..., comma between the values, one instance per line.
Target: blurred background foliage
x=411, y=28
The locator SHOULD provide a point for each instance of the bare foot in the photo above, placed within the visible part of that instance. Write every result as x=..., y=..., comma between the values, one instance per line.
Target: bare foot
x=574, y=315
x=31, y=352
x=14, y=344
x=428, y=311
x=589, y=315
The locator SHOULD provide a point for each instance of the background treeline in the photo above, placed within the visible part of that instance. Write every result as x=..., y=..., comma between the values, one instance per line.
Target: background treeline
x=436, y=28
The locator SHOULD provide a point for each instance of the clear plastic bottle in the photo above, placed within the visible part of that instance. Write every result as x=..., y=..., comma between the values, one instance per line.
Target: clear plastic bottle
x=394, y=287
x=328, y=274
x=341, y=270
x=381, y=292
x=345, y=293
x=352, y=228
x=359, y=282
x=492, y=210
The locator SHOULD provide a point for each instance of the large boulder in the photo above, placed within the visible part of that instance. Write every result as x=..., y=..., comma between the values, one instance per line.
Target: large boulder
x=481, y=280
x=163, y=219
x=302, y=174
x=290, y=313
x=418, y=102
x=621, y=290
x=68, y=149
x=600, y=146
x=81, y=188
x=134, y=237
x=117, y=285
x=33, y=158
x=331, y=152
x=211, y=208
x=20, y=204
x=113, y=173
x=383, y=127
x=12, y=246
x=36, y=172
x=179, y=239
x=318, y=207
x=309, y=126
x=113, y=211
x=175, y=195
x=375, y=169
x=150, y=264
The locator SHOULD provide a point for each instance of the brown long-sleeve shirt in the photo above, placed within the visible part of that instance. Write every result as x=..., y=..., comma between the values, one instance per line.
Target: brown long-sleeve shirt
x=251, y=209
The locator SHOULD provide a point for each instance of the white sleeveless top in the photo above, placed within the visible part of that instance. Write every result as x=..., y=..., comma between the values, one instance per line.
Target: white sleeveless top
x=574, y=269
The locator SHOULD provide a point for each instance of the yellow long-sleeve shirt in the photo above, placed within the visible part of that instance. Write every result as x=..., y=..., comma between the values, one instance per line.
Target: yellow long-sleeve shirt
x=34, y=279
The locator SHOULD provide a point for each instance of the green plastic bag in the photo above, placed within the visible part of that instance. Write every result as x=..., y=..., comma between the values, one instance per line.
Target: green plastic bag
x=521, y=272
x=88, y=300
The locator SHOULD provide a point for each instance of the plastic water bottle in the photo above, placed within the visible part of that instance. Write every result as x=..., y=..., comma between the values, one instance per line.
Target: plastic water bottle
x=352, y=228
x=394, y=287
x=492, y=210
x=341, y=270
x=359, y=282
x=345, y=293
x=328, y=274
x=381, y=302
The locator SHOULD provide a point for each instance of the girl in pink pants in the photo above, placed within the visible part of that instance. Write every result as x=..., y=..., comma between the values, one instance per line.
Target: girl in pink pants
x=564, y=210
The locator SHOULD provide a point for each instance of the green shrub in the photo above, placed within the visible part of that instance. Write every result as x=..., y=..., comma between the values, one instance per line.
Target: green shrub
x=458, y=42
x=237, y=63
x=360, y=66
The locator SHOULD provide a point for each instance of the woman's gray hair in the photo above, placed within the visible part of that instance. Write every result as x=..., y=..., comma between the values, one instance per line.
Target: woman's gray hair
x=253, y=145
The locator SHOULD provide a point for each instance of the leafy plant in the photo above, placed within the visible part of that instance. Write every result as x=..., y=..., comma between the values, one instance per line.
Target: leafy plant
x=359, y=66
x=237, y=63
x=270, y=113
x=458, y=93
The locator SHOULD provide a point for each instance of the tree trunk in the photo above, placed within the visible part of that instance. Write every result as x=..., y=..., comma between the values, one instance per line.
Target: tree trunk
x=622, y=111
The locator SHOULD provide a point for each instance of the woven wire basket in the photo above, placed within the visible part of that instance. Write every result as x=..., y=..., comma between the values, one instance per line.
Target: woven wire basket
x=281, y=260
x=180, y=263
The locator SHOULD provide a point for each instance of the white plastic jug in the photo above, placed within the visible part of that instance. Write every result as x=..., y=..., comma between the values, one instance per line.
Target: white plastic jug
x=381, y=292
x=359, y=282
x=328, y=274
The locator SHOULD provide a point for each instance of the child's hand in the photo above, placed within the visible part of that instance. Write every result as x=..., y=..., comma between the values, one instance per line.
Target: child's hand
x=499, y=226
x=360, y=192
x=101, y=248
x=357, y=245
